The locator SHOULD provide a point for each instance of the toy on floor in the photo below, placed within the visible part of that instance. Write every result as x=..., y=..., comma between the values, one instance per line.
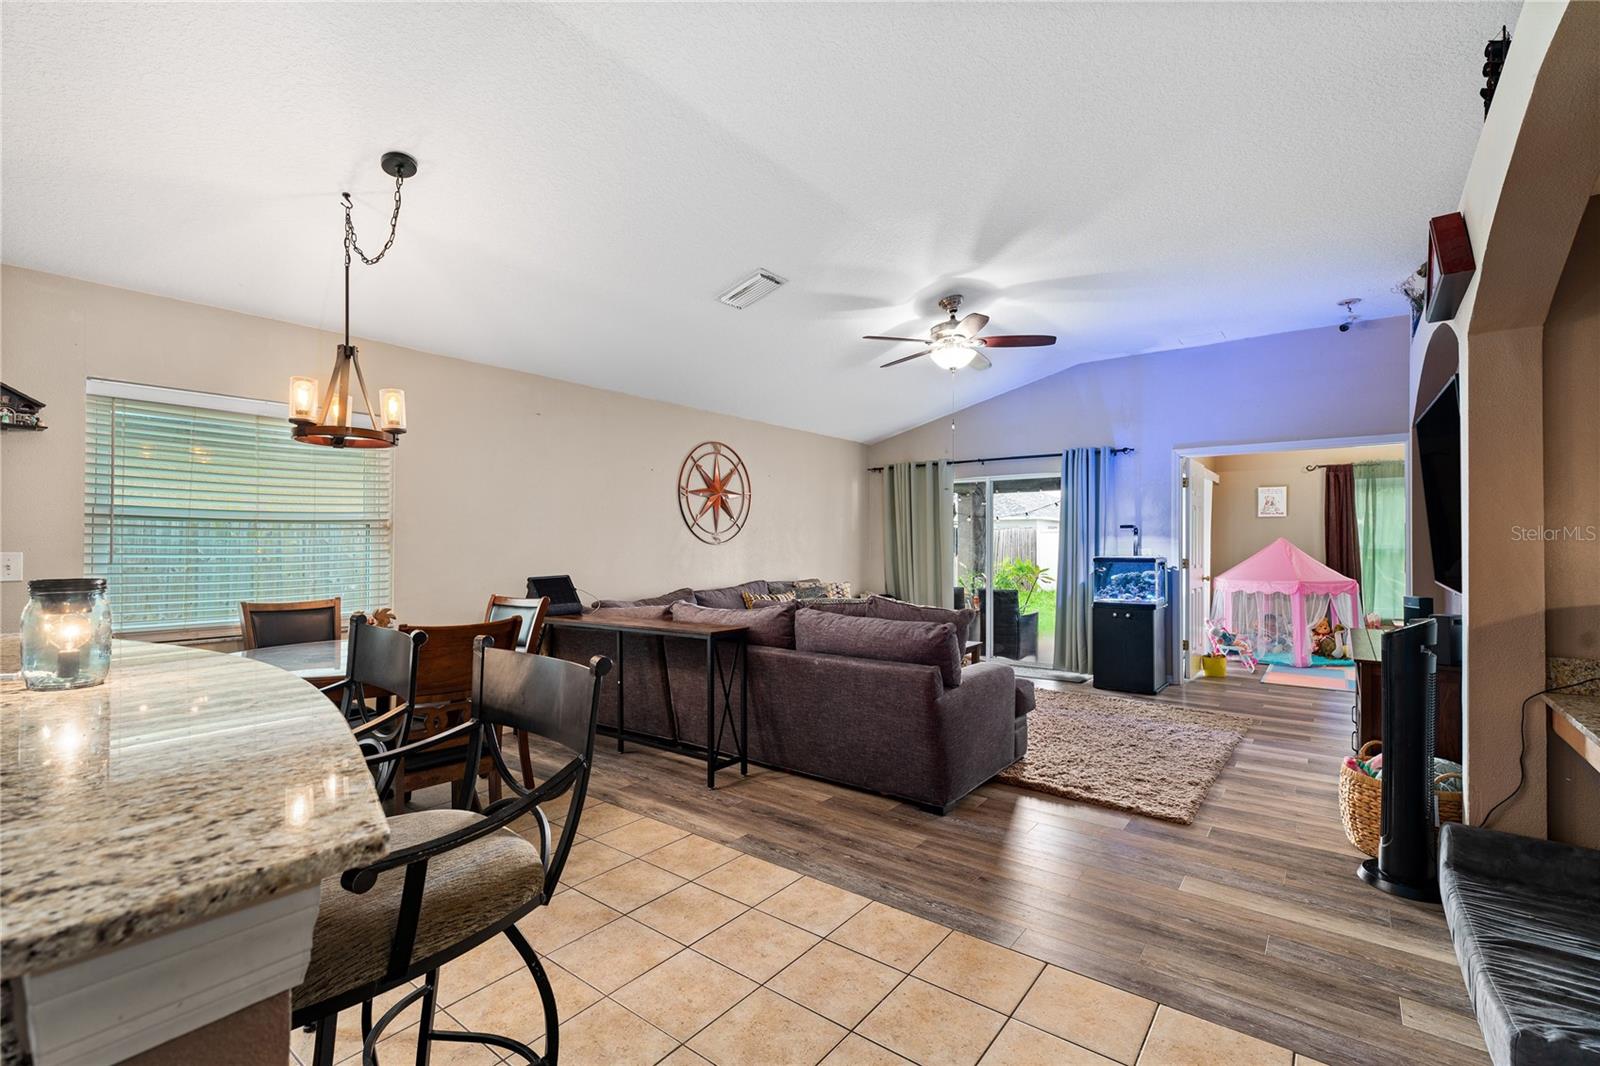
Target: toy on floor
x=1330, y=640
x=1273, y=638
x=1226, y=643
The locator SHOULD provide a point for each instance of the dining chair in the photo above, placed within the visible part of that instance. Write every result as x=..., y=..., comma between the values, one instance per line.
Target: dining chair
x=532, y=612
x=380, y=665
x=455, y=879
x=267, y=625
x=444, y=700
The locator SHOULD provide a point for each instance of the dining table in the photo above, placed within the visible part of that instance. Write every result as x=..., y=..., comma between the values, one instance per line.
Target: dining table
x=321, y=662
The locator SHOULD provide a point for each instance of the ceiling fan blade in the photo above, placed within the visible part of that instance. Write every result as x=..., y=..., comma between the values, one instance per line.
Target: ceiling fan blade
x=913, y=340
x=972, y=324
x=904, y=359
x=980, y=361
x=1021, y=340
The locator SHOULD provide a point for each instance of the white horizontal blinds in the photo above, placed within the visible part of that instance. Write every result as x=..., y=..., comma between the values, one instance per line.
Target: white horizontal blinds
x=189, y=510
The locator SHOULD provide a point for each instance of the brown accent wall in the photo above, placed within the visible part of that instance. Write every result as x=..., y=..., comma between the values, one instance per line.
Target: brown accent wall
x=1572, y=510
x=258, y=1035
x=1572, y=450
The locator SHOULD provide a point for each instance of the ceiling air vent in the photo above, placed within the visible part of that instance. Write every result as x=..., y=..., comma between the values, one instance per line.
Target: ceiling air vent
x=750, y=289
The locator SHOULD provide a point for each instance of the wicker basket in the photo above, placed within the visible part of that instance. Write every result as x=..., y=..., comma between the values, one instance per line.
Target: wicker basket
x=1361, y=802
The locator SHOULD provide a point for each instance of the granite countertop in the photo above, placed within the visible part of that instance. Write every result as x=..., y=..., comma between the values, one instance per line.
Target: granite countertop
x=1581, y=709
x=188, y=785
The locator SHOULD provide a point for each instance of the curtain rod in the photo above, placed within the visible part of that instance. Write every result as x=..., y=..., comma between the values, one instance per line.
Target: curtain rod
x=1001, y=459
x=1365, y=462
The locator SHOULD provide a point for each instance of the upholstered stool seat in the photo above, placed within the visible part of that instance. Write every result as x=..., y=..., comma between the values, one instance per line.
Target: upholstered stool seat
x=469, y=889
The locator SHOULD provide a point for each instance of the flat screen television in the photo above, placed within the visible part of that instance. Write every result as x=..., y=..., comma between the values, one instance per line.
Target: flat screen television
x=1439, y=467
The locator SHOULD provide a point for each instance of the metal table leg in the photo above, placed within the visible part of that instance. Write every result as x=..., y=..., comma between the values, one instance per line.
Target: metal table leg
x=622, y=724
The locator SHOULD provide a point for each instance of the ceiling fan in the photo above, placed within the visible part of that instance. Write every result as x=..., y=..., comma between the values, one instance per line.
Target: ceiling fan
x=955, y=343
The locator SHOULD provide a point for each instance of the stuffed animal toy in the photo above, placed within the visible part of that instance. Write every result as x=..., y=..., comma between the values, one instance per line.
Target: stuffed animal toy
x=1328, y=640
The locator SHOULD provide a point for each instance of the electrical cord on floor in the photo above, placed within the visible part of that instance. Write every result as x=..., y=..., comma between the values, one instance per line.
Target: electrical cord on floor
x=1522, y=742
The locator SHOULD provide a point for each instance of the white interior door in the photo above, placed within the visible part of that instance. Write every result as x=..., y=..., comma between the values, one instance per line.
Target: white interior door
x=1199, y=491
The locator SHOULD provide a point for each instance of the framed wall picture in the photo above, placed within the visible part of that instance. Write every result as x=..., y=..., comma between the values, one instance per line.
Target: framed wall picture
x=1272, y=501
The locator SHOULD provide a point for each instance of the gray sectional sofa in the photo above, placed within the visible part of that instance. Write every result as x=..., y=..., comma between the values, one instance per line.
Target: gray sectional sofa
x=866, y=692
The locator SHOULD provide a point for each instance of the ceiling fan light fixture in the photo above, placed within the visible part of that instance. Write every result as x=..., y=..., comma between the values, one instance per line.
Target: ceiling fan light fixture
x=953, y=353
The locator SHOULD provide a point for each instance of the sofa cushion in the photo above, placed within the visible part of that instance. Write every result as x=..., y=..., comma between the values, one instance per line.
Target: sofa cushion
x=1526, y=932
x=884, y=607
x=752, y=599
x=929, y=643
x=676, y=595
x=648, y=612
x=730, y=597
x=772, y=625
x=861, y=608
x=1025, y=697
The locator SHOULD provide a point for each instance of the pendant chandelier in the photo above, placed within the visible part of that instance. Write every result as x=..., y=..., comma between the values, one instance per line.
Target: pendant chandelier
x=329, y=423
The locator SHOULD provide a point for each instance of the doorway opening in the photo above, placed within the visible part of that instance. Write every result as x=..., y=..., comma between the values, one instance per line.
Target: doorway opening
x=1007, y=540
x=1236, y=502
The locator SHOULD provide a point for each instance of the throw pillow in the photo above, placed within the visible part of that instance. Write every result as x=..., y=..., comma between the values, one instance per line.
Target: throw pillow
x=731, y=597
x=772, y=626
x=928, y=643
x=884, y=607
x=822, y=590
x=751, y=599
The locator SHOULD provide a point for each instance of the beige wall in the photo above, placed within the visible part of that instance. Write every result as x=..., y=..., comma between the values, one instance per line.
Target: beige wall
x=502, y=475
x=1309, y=385
x=1236, y=532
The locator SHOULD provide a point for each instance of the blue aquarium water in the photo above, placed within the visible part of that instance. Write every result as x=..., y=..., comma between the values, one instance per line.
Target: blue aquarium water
x=1130, y=579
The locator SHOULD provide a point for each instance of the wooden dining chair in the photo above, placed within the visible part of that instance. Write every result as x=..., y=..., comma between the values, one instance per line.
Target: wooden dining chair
x=444, y=699
x=532, y=612
x=268, y=625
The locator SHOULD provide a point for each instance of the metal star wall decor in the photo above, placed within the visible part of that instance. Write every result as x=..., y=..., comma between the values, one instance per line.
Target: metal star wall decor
x=713, y=492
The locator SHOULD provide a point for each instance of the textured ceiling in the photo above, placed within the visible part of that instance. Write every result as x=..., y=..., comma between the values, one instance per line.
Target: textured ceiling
x=1128, y=176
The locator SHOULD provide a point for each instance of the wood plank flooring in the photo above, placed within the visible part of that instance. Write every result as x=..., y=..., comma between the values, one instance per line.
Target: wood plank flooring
x=1252, y=917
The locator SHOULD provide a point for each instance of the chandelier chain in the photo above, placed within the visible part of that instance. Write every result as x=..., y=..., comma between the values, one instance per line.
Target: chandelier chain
x=350, y=229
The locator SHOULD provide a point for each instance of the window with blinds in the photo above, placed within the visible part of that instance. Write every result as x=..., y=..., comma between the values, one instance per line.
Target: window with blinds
x=193, y=503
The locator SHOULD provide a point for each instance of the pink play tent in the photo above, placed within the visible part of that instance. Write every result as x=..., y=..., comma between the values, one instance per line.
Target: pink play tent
x=1273, y=598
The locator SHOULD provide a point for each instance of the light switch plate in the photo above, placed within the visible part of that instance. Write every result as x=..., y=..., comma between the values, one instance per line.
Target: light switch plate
x=10, y=566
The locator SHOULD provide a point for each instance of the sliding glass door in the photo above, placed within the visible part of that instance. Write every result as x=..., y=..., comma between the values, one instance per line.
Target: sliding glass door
x=1007, y=538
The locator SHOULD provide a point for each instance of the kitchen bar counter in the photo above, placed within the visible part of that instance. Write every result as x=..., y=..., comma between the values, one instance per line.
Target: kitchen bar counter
x=192, y=800
x=1575, y=717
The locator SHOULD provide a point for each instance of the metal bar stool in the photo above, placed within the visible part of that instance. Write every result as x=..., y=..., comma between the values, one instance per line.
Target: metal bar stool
x=456, y=878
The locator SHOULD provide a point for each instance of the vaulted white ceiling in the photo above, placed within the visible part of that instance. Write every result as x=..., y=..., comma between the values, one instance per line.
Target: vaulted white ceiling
x=1128, y=176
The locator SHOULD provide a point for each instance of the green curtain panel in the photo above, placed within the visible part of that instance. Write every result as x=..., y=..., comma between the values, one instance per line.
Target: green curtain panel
x=1085, y=497
x=1381, y=531
x=919, y=532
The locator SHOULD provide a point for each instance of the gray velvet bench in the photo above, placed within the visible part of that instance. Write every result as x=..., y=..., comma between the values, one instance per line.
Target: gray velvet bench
x=1525, y=918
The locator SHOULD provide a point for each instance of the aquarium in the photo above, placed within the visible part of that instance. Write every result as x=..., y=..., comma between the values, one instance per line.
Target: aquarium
x=1130, y=579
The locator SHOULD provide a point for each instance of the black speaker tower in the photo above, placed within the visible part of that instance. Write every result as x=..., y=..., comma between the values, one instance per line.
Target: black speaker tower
x=1407, y=863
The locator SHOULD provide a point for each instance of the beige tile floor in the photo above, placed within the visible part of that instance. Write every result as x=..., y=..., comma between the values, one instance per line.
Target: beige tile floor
x=664, y=947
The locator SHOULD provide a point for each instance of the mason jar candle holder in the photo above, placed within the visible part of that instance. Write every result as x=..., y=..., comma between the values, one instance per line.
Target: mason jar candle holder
x=66, y=633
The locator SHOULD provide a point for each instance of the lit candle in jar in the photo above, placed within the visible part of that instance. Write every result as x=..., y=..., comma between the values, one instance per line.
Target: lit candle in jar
x=68, y=633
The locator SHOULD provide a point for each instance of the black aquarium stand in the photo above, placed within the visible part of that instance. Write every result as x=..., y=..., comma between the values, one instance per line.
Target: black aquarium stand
x=1130, y=647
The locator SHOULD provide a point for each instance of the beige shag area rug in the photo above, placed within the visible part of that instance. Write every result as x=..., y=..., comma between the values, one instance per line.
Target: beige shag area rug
x=1155, y=759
